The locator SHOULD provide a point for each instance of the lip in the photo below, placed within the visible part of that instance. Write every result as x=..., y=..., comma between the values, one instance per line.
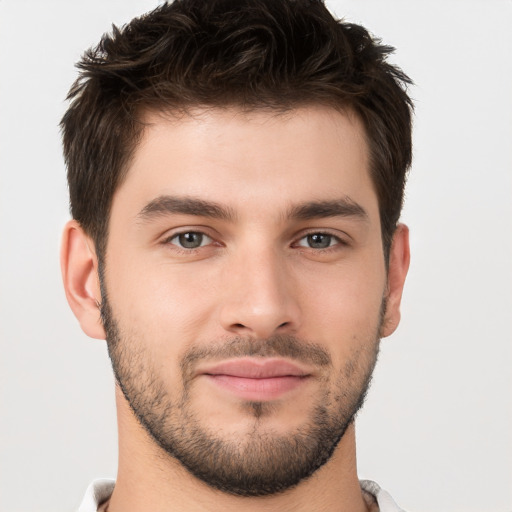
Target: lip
x=256, y=368
x=256, y=379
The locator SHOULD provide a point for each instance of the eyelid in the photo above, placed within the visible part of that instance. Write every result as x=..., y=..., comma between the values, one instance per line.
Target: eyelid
x=342, y=238
x=206, y=240
x=171, y=232
x=169, y=235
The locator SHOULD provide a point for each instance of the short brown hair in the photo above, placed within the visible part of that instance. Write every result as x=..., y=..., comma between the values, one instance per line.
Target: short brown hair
x=275, y=54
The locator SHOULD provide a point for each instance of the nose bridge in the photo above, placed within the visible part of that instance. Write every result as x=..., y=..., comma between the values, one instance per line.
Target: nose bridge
x=260, y=299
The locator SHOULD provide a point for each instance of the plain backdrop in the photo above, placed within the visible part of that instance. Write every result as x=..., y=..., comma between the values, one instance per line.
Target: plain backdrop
x=436, y=429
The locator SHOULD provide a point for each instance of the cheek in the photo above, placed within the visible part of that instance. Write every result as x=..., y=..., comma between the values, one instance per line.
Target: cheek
x=342, y=306
x=168, y=303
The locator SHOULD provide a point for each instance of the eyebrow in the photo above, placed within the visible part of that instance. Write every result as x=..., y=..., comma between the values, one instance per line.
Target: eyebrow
x=165, y=205
x=343, y=207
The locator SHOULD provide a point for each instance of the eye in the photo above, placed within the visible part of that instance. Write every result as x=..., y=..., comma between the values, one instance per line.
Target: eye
x=190, y=240
x=319, y=241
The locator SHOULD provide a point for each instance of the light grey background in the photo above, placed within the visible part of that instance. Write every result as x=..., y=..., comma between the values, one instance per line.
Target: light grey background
x=436, y=430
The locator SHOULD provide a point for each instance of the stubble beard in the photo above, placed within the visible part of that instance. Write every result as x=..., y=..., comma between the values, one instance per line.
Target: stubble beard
x=261, y=462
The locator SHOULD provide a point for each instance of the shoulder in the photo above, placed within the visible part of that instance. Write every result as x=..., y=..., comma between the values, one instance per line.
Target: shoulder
x=384, y=500
x=98, y=492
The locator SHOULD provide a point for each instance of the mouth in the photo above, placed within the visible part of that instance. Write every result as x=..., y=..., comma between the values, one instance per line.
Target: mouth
x=256, y=379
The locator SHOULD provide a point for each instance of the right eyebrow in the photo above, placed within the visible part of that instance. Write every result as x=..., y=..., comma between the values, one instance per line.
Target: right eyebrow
x=165, y=205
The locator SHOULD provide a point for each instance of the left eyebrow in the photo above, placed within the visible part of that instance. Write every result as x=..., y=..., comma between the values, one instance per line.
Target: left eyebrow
x=343, y=207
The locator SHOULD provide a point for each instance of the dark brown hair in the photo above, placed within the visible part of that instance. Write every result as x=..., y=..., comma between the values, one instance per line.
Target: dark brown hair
x=252, y=54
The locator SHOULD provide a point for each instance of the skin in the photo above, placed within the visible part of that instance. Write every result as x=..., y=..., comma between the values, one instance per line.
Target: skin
x=255, y=276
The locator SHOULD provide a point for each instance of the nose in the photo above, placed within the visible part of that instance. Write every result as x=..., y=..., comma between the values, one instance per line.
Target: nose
x=260, y=297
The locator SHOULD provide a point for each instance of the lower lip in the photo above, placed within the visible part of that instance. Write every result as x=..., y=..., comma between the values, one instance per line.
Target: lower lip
x=258, y=389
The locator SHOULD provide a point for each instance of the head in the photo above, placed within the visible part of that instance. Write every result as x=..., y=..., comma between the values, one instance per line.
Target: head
x=236, y=173
x=253, y=55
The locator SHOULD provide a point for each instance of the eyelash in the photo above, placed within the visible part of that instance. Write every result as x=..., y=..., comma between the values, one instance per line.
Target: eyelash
x=339, y=242
x=183, y=250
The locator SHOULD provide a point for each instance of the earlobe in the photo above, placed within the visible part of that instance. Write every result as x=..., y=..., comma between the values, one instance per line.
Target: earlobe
x=79, y=266
x=399, y=258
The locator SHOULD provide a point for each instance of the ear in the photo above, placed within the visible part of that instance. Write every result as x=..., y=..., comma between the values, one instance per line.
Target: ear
x=79, y=266
x=399, y=258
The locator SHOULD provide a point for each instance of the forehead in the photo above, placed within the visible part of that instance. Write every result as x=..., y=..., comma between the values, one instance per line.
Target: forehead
x=236, y=157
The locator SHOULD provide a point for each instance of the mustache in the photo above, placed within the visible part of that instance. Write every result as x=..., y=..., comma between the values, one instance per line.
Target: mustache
x=276, y=346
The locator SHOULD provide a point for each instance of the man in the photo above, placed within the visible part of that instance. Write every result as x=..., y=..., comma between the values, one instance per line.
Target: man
x=236, y=173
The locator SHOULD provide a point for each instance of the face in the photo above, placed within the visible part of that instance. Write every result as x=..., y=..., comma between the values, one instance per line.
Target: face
x=244, y=290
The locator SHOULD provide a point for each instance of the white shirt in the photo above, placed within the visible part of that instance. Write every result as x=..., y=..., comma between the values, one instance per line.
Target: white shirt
x=100, y=491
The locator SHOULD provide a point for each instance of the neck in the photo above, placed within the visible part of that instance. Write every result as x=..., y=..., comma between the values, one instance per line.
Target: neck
x=149, y=479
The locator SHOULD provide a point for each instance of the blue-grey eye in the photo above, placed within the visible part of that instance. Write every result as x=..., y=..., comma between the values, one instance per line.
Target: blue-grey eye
x=190, y=240
x=318, y=241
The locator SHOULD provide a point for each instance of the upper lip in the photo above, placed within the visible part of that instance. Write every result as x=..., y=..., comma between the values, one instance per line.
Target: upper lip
x=255, y=368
